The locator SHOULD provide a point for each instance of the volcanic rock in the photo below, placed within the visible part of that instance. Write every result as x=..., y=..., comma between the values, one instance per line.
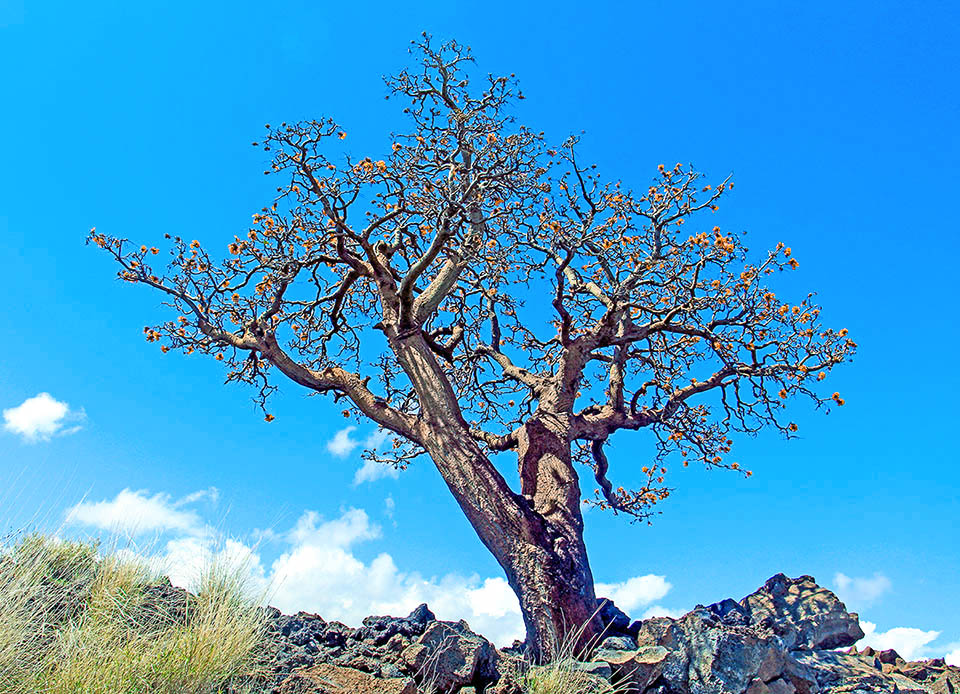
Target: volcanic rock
x=802, y=613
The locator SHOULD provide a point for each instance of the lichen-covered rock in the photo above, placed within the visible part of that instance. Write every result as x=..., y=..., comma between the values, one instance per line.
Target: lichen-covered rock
x=774, y=641
x=634, y=669
x=705, y=655
x=801, y=613
x=832, y=672
x=599, y=668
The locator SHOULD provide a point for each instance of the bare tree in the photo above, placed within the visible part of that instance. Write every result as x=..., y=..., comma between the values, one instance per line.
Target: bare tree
x=475, y=292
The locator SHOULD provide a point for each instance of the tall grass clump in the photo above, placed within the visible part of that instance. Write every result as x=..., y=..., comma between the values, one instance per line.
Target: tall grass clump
x=565, y=674
x=77, y=620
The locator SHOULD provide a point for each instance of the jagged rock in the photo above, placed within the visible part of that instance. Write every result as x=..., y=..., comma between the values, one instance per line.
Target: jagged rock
x=618, y=643
x=888, y=657
x=599, y=668
x=449, y=656
x=707, y=656
x=504, y=686
x=511, y=668
x=163, y=603
x=802, y=613
x=615, y=622
x=832, y=672
x=774, y=641
x=333, y=679
x=934, y=674
x=947, y=683
x=636, y=669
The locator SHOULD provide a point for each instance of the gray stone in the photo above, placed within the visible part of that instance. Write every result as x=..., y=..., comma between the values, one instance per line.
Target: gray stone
x=777, y=686
x=449, y=656
x=599, y=668
x=830, y=672
x=618, y=643
x=802, y=613
x=637, y=668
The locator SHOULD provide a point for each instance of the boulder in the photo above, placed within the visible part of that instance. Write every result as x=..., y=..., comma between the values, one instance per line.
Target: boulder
x=596, y=667
x=801, y=613
x=776, y=686
x=934, y=674
x=448, y=656
x=618, y=643
x=832, y=672
x=946, y=683
x=704, y=655
x=889, y=657
x=634, y=669
x=615, y=622
x=333, y=679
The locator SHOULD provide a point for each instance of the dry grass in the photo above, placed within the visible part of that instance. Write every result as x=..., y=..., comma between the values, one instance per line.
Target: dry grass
x=563, y=675
x=76, y=620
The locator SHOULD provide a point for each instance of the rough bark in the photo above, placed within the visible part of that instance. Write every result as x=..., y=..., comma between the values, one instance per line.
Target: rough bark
x=537, y=536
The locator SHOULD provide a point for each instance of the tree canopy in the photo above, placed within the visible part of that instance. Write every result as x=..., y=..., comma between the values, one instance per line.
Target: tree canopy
x=536, y=290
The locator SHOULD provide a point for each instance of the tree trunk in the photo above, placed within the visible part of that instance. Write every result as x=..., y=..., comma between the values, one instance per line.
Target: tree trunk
x=535, y=536
x=542, y=554
x=555, y=584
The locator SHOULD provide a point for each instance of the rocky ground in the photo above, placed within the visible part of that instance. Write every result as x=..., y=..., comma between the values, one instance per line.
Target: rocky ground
x=787, y=637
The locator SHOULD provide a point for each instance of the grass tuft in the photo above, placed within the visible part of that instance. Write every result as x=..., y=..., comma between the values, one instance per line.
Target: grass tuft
x=75, y=619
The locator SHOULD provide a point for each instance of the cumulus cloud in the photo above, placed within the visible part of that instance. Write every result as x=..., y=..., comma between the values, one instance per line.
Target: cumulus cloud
x=320, y=572
x=136, y=512
x=320, y=565
x=861, y=591
x=635, y=592
x=371, y=471
x=42, y=417
x=909, y=642
x=343, y=444
x=953, y=654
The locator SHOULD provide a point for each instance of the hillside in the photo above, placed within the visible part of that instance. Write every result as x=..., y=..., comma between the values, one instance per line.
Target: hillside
x=74, y=620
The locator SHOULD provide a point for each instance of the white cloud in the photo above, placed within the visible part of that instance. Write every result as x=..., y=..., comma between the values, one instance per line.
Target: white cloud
x=909, y=642
x=343, y=443
x=211, y=493
x=321, y=569
x=635, y=592
x=371, y=471
x=389, y=506
x=134, y=513
x=41, y=417
x=860, y=591
x=953, y=656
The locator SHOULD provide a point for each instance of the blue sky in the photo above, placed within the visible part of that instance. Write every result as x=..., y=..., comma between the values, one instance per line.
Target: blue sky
x=839, y=124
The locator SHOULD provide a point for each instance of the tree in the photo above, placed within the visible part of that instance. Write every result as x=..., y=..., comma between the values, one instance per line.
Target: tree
x=475, y=292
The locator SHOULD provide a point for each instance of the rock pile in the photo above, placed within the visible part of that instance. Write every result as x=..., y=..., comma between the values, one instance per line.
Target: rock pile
x=385, y=654
x=782, y=639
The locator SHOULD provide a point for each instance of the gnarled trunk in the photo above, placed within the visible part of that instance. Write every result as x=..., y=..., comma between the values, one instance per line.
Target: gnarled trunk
x=535, y=536
x=541, y=550
x=555, y=584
